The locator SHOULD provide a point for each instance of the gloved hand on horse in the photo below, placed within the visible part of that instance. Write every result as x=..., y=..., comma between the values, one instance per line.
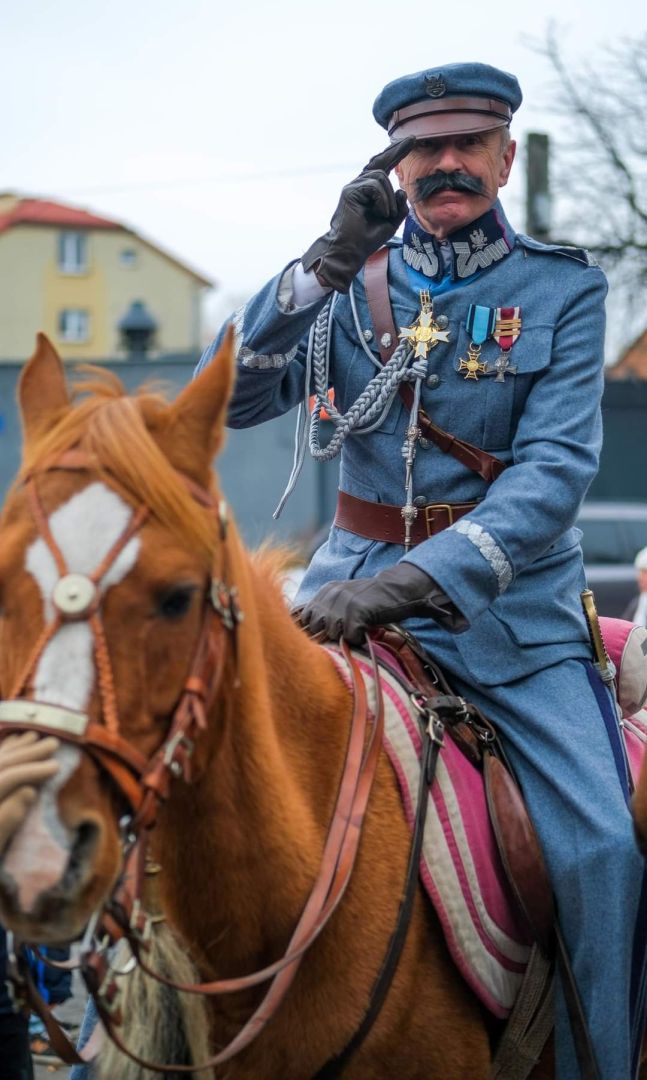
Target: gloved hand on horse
x=368, y=214
x=349, y=608
x=25, y=762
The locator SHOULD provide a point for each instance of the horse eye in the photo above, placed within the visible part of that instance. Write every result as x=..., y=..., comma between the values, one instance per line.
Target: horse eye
x=175, y=602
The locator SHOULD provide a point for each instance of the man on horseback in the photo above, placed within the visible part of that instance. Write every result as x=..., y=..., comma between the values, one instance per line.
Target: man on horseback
x=467, y=364
x=461, y=478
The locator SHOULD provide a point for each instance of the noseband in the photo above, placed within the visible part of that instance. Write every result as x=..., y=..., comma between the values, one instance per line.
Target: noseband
x=143, y=782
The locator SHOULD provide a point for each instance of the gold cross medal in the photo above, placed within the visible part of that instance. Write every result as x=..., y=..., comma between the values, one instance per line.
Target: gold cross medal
x=479, y=325
x=426, y=332
x=471, y=365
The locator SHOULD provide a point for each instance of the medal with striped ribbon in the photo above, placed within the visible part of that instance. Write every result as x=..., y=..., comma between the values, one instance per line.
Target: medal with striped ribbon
x=507, y=329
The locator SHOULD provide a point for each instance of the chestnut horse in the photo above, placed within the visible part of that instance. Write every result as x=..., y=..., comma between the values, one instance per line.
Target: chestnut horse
x=240, y=844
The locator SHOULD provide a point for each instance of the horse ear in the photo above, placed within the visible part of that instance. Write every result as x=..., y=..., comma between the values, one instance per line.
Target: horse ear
x=42, y=391
x=199, y=411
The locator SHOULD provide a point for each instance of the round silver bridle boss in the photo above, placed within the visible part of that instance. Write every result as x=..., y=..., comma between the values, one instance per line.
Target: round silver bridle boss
x=74, y=594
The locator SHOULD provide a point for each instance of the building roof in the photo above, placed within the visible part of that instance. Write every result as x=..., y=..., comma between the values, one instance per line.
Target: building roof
x=43, y=212
x=16, y=210
x=632, y=363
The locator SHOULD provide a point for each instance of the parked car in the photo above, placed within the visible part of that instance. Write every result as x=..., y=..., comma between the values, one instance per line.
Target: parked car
x=612, y=534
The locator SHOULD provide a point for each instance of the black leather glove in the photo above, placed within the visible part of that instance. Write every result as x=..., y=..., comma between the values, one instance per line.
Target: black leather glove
x=349, y=608
x=368, y=214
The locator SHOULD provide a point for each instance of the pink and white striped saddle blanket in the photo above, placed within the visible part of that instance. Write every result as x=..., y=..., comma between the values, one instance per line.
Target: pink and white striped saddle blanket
x=460, y=865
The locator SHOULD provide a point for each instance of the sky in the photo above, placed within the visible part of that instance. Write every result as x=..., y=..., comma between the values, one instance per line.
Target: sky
x=224, y=132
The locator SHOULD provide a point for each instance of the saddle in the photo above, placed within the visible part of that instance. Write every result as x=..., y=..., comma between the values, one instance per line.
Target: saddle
x=474, y=736
x=482, y=864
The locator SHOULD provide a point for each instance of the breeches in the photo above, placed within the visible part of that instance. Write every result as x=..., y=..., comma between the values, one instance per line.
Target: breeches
x=560, y=732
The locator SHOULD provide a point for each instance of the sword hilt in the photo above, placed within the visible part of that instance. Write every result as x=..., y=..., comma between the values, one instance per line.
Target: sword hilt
x=600, y=653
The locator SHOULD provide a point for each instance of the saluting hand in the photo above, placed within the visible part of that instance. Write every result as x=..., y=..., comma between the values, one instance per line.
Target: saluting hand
x=368, y=214
x=25, y=761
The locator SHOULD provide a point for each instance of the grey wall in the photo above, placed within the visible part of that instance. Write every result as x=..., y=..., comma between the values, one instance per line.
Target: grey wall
x=254, y=466
x=256, y=463
x=623, y=466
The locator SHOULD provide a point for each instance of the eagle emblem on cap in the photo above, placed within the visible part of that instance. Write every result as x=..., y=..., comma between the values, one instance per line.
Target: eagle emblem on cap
x=435, y=85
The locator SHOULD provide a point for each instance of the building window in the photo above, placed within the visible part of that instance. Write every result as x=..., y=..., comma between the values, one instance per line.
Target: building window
x=74, y=325
x=72, y=252
x=128, y=257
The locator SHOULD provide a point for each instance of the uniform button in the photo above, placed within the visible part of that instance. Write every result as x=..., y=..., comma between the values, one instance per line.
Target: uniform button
x=420, y=501
x=433, y=380
x=367, y=335
x=442, y=322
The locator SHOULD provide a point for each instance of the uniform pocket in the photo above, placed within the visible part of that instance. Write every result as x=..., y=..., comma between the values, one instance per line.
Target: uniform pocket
x=486, y=409
x=544, y=603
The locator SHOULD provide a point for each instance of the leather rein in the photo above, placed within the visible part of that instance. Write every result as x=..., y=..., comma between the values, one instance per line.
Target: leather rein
x=144, y=783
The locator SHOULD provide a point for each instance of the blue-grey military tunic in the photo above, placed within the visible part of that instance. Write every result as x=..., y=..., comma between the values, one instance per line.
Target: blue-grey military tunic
x=512, y=566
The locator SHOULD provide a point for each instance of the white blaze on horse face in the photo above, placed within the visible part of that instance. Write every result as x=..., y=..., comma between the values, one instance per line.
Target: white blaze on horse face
x=85, y=528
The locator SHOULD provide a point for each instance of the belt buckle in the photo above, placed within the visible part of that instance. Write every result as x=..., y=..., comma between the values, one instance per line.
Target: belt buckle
x=429, y=515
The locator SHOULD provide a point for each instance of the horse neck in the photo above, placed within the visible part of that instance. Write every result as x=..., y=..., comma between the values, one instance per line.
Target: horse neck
x=242, y=847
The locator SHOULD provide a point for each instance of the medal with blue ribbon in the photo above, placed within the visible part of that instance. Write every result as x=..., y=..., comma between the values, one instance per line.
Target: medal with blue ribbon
x=479, y=324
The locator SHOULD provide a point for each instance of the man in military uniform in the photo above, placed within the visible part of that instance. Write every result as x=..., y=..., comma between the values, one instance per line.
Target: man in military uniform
x=462, y=526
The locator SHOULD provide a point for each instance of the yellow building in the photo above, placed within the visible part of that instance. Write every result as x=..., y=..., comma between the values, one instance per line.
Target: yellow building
x=76, y=275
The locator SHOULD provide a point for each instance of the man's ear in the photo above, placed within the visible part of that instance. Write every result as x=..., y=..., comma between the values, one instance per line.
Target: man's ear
x=508, y=158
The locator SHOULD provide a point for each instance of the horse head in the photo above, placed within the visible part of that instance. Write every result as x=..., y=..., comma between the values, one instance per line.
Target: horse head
x=110, y=541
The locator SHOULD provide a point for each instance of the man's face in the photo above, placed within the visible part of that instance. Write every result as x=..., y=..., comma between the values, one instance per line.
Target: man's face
x=485, y=157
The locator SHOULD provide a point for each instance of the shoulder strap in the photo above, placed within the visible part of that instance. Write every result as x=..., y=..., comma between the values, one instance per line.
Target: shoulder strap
x=376, y=286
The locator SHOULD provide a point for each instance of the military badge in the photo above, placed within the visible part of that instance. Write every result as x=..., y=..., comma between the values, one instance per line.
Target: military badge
x=435, y=86
x=426, y=332
x=507, y=328
x=471, y=364
x=480, y=326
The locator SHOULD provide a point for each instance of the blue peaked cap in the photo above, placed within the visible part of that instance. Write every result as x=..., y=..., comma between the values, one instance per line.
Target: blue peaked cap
x=450, y=100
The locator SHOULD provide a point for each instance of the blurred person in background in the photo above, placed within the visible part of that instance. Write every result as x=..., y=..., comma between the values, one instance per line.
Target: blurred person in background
x=25, y=761
x=55, y=987
x=15, y=1056
x=636, y=610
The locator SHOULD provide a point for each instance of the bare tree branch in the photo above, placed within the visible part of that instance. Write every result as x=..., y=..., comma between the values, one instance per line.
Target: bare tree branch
x=599, y=164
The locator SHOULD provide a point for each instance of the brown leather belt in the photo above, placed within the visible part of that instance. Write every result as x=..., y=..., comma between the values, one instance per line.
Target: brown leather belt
x=381, y=521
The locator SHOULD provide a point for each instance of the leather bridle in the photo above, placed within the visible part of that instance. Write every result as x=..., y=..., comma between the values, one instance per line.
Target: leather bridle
x=145, y=782
x=142, y=782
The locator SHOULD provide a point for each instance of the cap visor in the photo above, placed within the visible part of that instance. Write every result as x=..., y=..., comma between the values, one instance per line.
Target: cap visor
x=438, y=125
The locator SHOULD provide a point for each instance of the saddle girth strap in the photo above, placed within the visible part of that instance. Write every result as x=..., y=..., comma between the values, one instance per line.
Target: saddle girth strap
x=376, y=286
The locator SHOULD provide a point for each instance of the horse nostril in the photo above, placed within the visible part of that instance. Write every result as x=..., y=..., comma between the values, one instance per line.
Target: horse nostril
x=85, y=842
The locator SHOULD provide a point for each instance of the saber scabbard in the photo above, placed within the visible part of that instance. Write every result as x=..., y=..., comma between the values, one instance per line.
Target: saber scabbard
x=600, y=654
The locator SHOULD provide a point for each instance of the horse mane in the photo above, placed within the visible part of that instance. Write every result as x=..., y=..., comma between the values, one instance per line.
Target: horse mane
x=118, y=431
x=272, y=560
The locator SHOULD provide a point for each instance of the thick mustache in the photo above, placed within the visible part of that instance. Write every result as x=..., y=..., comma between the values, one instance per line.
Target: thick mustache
x=448, y=181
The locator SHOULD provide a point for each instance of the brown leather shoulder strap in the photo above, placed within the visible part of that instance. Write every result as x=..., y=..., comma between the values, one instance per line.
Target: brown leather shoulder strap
x=376, y=285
